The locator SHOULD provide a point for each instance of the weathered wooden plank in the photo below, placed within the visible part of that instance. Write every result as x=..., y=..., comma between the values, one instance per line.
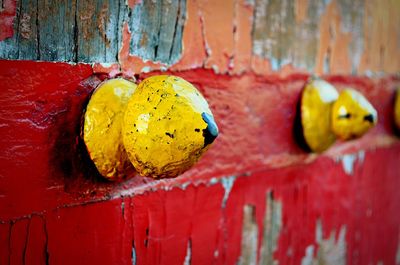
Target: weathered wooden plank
x=314, y=35
x=91, y=31
x=27, y=30
x=56, y=30
x=282, y=37
x=97, y=26
x=159, y=38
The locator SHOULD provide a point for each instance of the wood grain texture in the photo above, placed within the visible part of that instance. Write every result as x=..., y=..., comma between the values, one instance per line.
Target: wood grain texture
x=91, y=31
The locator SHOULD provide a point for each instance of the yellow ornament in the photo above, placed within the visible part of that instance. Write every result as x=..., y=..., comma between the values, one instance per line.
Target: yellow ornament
x=397, y=109
x=103, y=124
x=327, y=115
x=167, y=126
x=352, y=115
x=316, y=103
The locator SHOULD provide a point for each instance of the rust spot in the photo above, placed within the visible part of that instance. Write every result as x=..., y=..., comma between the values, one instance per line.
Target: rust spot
x=242, y=36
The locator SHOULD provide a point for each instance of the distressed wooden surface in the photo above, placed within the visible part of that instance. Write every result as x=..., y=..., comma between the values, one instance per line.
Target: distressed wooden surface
x=235, y=36
x=91, y=31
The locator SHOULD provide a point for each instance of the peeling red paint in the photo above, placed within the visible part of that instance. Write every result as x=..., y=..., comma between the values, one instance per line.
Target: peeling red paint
x=132, y=3
x=111, y=70
x=219, y=39
x=243, y=24
x=260, y=66
x=131, y=64
x=194, y=50
x=157, y=226
x=7, y=16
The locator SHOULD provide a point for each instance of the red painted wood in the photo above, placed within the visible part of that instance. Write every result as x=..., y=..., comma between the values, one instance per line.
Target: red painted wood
x=59, y=210
x=7, y=16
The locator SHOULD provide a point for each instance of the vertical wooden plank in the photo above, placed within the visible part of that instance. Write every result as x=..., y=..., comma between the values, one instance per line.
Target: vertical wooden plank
x=27, y=31
x=157, y=28
x=56, y=35
x=97, y=39
x=172, y=19
x=145, y=32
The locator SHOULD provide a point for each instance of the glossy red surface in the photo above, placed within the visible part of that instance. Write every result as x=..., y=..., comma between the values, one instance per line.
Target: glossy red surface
x=54, y=208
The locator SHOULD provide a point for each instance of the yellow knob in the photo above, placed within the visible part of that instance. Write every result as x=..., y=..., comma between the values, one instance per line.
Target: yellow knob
x=103, y=124
x=167, y=126
x=161, y=127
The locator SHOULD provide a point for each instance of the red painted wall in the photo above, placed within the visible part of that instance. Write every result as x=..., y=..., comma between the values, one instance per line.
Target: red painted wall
x=54, y=208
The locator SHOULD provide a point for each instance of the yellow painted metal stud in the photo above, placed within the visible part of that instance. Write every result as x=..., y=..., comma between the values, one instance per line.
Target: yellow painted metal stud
x=316, y=103
x=397, y=109
x=167, y=126
x=352, y=115
x=103, y=124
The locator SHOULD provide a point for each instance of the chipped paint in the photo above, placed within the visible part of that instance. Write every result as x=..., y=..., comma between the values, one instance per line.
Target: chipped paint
x=188, y=256
x=249, y=242
x=131, y=64
x=272, y=224
x=348, y=162
x=308, y=258
x=133, y=256
x=227, y=184
x=332, y=251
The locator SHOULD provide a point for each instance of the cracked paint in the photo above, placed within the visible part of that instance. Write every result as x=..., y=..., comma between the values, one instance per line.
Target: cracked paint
x=272, y=227
x=249, y=242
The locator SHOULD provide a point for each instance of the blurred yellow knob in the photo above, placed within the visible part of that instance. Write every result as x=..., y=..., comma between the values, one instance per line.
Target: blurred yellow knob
x=327, y=115
x=352, y=115
x=397, y=109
